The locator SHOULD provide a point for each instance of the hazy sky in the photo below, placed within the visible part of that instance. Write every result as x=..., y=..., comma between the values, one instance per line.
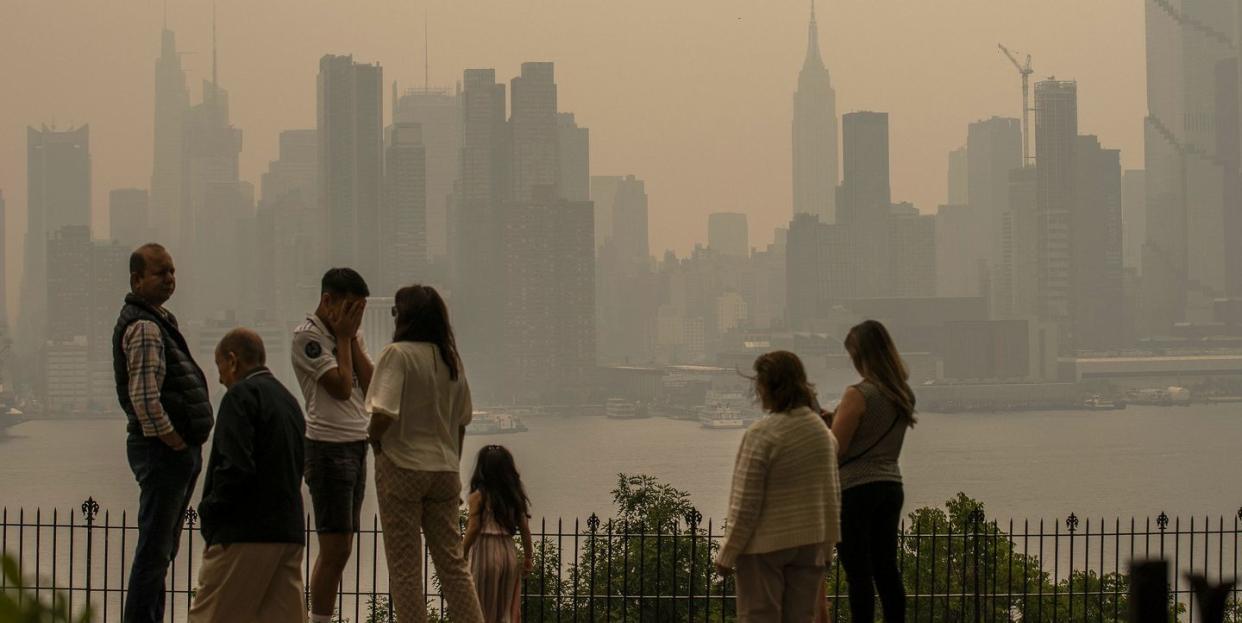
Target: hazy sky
x=694, y=96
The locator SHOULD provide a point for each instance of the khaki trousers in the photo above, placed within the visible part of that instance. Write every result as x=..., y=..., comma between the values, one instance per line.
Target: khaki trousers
x=250, y=582
x=408, y=500
x=780, y=586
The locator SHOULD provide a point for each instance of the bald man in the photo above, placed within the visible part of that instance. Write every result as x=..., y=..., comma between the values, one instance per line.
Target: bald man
x=251, y=512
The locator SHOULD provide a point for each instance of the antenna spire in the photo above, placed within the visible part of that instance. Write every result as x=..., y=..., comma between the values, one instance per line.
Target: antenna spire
x=813, y=56
x=426, y=56
x=214, y=74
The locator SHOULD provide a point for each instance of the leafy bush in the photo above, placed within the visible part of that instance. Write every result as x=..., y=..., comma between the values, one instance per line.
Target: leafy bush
x=20, y=604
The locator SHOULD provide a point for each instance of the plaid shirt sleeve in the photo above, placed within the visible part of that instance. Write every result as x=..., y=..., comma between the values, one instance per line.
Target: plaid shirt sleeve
x=144, y=355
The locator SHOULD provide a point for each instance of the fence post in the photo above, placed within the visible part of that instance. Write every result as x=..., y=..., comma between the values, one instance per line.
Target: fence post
x=1071, y=524
x=693, y=517
x=593, y=526
x=191, y=520
x=90, y=508
x=976, y=517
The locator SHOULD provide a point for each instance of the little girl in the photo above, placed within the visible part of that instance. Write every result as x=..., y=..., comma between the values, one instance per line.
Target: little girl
x=498, y=510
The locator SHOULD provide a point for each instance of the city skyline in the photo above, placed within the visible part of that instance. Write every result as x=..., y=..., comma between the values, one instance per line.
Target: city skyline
x=976, y=84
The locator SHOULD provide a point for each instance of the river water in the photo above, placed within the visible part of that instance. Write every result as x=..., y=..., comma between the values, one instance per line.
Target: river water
x=1136, y=462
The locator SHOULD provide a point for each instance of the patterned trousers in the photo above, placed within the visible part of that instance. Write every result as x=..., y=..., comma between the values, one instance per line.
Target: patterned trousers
x=409, y=500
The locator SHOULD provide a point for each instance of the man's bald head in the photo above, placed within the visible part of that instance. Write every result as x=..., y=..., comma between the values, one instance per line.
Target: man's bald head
x=246, y=345
x=142, y=255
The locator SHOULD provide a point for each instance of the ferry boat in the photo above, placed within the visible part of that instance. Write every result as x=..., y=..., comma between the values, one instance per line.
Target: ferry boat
x=620, y=409
x=1099, y=403
x=722, y=418
x=484, y=423
x=1171, y=396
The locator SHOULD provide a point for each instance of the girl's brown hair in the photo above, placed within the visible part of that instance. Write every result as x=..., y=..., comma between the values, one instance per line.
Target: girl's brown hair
x=781, y=384
x=876, y=359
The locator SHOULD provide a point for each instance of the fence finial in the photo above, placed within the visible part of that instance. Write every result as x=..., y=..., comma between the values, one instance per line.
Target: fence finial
x=1071, y=522
x=1162, y=521
x=90, y=508
x=191, y=517
x=1240, y=513
x=693, y=518
x=593, y=522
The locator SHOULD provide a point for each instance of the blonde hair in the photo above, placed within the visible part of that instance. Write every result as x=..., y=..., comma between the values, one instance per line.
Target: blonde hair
x=875, y=357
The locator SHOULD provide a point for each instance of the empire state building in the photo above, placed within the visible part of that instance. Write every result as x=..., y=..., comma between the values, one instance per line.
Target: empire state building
x=815, y=169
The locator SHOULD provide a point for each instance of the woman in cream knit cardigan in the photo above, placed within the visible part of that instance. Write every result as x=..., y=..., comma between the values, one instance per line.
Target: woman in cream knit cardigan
x=784, y=508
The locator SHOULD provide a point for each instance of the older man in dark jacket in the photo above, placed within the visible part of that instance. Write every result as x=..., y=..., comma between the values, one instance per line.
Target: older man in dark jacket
x=164, y=395
x=252, y=517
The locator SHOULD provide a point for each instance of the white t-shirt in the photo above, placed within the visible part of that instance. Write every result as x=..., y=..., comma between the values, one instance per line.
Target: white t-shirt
x=314, y=355
x=412, y=384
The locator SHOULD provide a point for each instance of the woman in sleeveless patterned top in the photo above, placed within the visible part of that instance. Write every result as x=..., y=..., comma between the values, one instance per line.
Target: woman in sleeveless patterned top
x=870, y=426
x=498, y=511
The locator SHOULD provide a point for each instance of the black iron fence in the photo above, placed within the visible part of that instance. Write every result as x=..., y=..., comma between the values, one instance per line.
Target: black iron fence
x=958, y=565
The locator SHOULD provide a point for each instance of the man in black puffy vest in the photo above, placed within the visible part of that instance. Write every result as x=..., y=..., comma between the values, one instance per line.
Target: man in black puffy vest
x=164, y=394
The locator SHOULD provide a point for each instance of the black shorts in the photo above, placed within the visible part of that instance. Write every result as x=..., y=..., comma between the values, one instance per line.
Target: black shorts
x=336, y=474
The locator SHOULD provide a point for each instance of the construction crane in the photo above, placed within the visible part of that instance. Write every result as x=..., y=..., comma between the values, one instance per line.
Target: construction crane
x=1025, y=71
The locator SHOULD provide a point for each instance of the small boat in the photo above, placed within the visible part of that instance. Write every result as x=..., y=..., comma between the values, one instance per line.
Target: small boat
x=619, y=409
x=484, y=423
x=1099, y=403
x=722, y=418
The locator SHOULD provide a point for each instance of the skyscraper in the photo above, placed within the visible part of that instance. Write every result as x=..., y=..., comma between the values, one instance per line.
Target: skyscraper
x=58, y=195
x=172, y=101
x=1056, y=136
x=993, y=148
x=574, y=153
x=295, y=170
x=1184, y=259
x=728, y=234
x=549, y=299
x=83, y=292
x=532, y=120
x=603, y=194
x=351, y=146
x=912, y=245
x=128, y=222
x=957, y=260
x=1015, y=293
x=959, y=176
x=66, y=375
x=866, y=188
x=626, y=290
x=439, y=113
x=1229, y=156
x=1133, y=216
x=290, y=203
x=58, y=165
x=866, y=198
x=68, y=283
x=819, y=270
x=1095, y=227
x=815, y=169
x=4, y=278
x=404, y=226
x=475, y=233
x=216, y=201
x=630, y=229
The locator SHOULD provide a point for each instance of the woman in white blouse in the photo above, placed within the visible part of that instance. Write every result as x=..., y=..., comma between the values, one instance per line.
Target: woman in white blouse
x=419, y=403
